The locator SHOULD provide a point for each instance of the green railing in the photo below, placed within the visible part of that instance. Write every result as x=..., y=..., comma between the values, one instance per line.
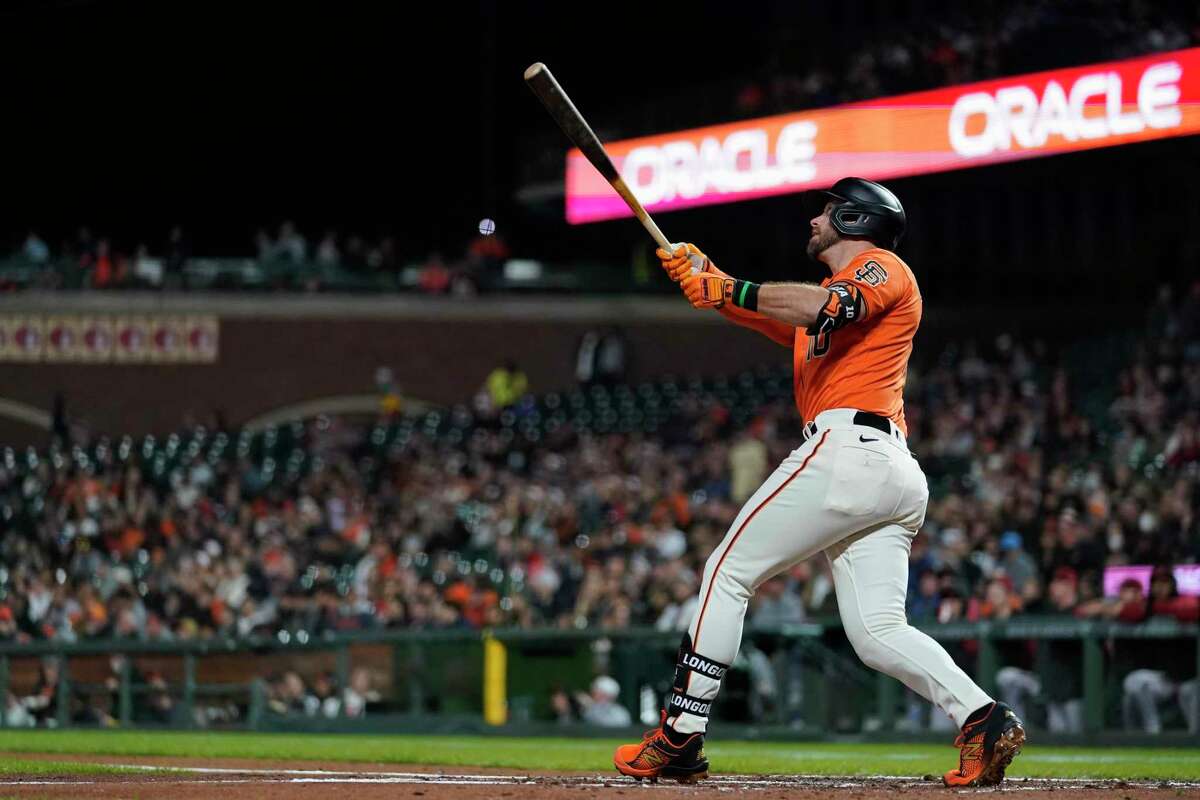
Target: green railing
x=447, y=666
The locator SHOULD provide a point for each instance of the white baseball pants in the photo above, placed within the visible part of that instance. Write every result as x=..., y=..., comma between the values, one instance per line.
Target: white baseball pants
x=857, y=494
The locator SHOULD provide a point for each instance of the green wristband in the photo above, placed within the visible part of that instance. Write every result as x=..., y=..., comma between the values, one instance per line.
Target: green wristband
x=745, y=295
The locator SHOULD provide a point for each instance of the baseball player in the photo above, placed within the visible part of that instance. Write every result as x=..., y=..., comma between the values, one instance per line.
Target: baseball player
x=851, y=489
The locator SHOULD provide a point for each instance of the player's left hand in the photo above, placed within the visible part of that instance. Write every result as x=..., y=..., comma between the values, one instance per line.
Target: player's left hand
x=705, y=290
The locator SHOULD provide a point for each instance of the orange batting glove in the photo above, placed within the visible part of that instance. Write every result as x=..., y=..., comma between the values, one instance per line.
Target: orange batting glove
x=685, y=259
x=707, y=291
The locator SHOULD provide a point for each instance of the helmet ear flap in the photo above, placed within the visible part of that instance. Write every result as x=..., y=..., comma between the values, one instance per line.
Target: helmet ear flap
x=847, y=220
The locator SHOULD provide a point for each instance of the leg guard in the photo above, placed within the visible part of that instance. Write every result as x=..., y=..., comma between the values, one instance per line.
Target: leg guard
x=697, y=680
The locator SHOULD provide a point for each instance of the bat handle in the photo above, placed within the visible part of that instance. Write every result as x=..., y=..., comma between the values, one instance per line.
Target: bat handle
x=666, y=244
x=657, y=234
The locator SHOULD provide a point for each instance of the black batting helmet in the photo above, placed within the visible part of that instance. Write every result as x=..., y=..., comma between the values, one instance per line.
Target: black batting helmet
x=866, y=209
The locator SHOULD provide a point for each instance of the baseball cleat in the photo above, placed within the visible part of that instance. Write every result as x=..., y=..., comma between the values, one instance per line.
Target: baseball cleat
x=986, y=748
x=656, y=756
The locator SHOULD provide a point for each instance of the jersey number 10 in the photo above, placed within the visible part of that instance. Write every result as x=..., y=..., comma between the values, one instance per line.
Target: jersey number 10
x=818, y=340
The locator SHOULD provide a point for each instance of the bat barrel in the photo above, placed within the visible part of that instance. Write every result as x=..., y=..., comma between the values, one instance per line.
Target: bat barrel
x=541, y=81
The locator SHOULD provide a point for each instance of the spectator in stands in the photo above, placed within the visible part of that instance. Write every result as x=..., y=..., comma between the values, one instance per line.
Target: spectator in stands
x=1053, y=681
x=323, y=700
x=749, y=462
x=486, y=253
x=264, y=246
x=15, y=713
x=434, y=276
x=147, y=270
x=288, y=695
x=1019, y=566
x=83, y=248
x=612, y=359
x=34, y=250
x=359, y=694
x=923, y=603
x=175, y=257
x=1074, y=545
x=506, y=384
x=389, y=256
x=104, y=270
x=1148, y=688
x=998, y=602
x=677, y=615
x=328, y=254
x=776, y=603
x=601, y=357
x=291, y=244
x=150, y=697
x=600, y=706
x=8, y=624
x=354, y=254
x=42, y=704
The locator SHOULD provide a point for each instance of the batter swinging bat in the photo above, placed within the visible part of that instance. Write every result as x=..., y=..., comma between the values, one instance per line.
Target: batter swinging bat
x=576, y=128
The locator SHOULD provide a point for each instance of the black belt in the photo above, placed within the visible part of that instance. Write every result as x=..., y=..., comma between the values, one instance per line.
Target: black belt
x=875, y=421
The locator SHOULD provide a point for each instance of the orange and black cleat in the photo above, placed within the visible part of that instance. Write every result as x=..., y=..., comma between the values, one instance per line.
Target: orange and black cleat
x=657, y=756
x=986, y=748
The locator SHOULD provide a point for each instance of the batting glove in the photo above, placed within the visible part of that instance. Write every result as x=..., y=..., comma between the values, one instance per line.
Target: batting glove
x=685, y=260
x=707, y=291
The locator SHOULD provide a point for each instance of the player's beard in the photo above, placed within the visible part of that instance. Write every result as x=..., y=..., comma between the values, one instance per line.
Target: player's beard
x=820, y=243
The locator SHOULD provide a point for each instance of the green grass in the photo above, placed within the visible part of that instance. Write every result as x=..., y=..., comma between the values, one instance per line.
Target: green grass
x=21, y=766
x=542, y=754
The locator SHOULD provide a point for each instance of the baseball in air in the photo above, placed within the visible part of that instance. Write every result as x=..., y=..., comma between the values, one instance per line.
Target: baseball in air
x=487, y=226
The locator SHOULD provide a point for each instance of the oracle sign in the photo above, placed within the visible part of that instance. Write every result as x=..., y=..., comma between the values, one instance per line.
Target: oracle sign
x=744, y=160
x=953, y=128
x=1017, y=115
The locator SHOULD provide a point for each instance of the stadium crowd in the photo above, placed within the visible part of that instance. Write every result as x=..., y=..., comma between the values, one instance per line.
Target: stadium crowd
x=961, y=44
x=1032, y=499
x=288, y=259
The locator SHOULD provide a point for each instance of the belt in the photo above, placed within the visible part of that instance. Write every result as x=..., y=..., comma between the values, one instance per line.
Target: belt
x=879, y=423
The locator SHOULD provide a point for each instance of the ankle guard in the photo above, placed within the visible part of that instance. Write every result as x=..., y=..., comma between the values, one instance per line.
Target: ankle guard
x=697, y=680
x=689, y=661
x=686, y=704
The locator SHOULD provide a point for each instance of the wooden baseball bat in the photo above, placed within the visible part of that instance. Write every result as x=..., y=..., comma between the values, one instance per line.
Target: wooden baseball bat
x=555, y=100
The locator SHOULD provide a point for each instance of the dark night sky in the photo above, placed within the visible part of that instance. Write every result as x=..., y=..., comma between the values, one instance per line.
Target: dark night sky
x=413, y=120
x=406, y=117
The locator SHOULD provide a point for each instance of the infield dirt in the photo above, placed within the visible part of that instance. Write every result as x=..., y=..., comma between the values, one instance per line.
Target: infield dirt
x=239, y=778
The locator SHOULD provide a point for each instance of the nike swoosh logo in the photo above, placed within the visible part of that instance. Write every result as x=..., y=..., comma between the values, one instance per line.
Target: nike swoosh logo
x=865, y=439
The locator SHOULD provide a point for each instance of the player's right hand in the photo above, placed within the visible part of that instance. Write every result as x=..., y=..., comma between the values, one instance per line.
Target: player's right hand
x=685, y=260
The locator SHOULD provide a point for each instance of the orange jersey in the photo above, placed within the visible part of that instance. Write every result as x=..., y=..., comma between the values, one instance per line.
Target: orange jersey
x=863, y=364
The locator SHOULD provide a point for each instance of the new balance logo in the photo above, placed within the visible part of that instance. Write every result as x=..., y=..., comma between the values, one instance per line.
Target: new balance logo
x=703, y=666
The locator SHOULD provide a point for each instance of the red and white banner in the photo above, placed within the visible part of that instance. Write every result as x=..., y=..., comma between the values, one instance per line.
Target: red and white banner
x=25, y=336
x=101, y=339
x=96, y=335
x=202, y=336
x=63, y=340
x=1045, y=113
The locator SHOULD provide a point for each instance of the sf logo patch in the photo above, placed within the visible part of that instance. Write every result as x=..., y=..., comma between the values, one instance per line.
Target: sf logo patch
x=871, y=273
